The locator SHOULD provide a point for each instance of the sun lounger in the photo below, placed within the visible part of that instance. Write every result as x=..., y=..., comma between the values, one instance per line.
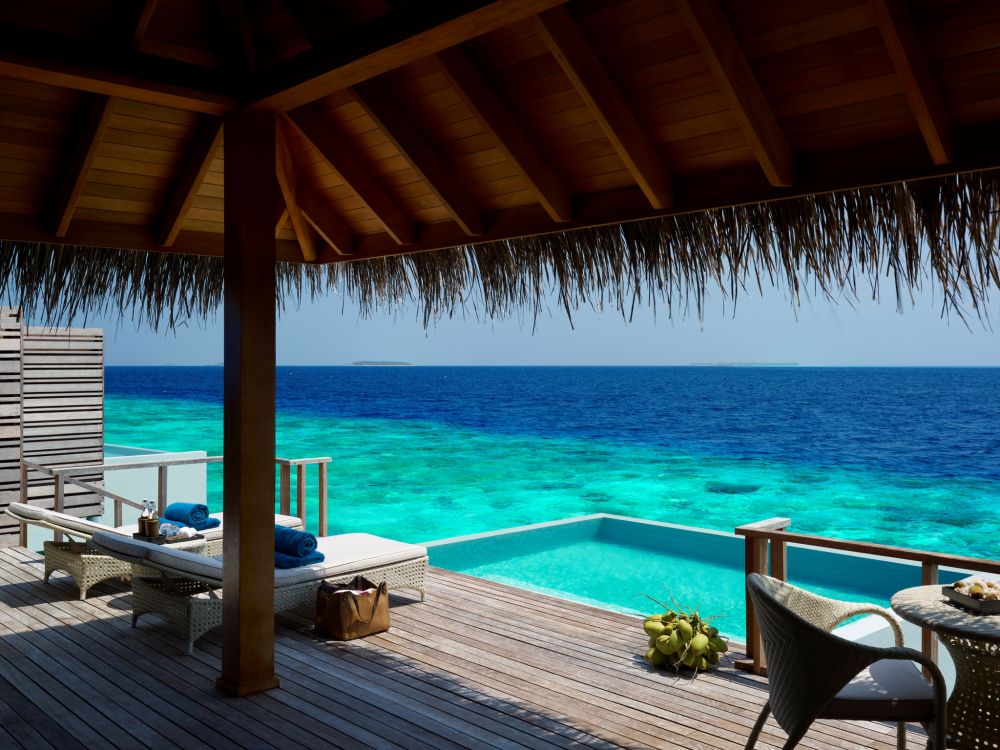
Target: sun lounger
x=187, y=591
x=84, y=563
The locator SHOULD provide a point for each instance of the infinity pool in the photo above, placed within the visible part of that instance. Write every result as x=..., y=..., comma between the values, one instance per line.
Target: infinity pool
x=614, y=563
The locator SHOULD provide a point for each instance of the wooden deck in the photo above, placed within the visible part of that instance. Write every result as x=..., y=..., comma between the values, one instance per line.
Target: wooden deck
x=477, y=665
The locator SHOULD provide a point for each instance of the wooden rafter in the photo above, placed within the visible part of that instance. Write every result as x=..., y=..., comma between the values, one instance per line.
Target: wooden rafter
x=914, y=71
x=240, y=36
x=285, y=171
x=89, y=137
x=590, y=79
x=54, y=60
x=976, y=149
x=410, y=33
x=320, y=215
x=513, y=141
x=341, y=158
x=710, y=28
x=145, y=15
x=399, y=127
x=193, y=171
x=280, y=213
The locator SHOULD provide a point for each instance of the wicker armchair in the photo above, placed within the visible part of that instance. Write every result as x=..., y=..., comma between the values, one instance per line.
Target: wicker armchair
x=814, y=674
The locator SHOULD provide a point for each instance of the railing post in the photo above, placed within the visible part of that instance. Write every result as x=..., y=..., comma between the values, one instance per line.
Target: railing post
x=23, y=532
x=779, y=559
x=285, y=491
x=765, y=556
x=755, y=562
x=161, y=490
x=300, y=492
x=118, y=513
x=928, y=639
x=58, y=502
x=322, y=499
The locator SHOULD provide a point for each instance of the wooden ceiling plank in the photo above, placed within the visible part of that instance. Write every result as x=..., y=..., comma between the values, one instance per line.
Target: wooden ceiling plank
x=91, y=131
x=396, y=39
x=590, y=79
x=913, y=69
x=320, y=214
x=714, y=36
x=513, y=141
x=399, y=127
x=285, y=171
x=195, y=167
x=340, y=156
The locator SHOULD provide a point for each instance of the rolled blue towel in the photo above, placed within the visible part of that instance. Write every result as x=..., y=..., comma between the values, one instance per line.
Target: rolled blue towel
x=194, y=515
x=293, y=542
x=282, y=560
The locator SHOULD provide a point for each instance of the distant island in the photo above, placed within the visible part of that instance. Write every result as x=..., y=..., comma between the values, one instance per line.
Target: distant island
x=744, y=364
x=380, y=363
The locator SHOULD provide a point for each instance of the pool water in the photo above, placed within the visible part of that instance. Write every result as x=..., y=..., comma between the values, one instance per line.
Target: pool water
x=616, y=563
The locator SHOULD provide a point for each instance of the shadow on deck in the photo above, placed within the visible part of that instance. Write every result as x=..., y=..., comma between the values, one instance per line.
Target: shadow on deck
x=477, y=665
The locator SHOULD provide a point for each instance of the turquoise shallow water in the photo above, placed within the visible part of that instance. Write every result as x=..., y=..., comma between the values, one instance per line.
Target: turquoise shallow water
x=421, y=480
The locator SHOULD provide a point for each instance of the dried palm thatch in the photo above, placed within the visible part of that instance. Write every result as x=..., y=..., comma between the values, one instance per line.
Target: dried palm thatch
x=943, y=231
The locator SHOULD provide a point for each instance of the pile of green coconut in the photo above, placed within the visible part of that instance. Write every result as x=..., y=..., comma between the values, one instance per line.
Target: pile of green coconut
x=683, y=639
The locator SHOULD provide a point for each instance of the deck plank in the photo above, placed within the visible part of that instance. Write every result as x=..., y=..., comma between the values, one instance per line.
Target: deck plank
x=478, y=665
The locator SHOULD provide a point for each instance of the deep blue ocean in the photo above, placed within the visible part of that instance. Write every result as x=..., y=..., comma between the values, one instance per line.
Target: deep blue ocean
x=907, y=456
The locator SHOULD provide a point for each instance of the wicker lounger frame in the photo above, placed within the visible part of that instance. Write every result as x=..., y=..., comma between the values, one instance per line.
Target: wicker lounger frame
x=85, y=564
x=194, y=607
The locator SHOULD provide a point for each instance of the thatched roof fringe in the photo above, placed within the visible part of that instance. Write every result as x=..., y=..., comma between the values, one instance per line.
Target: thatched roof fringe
x=948, y=227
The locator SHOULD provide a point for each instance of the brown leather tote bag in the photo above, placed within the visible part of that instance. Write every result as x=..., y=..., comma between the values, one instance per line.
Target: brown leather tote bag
x=344, y=615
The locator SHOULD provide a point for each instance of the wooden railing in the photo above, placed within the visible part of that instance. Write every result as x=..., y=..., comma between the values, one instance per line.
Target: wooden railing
x=68, y=474
x=285, y=488
x=767, y=552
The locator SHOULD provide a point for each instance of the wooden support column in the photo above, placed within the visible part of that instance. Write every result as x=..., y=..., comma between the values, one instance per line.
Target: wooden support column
x=248, y=473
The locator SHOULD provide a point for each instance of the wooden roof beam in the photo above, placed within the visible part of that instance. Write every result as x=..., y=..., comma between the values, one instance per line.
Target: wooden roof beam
x=89, y=136
x=494, y=116
x=43, y=57
x=194, y=168
x=914, y=71
x=396, y=124
x=405, y=35
x=340, y=156
x=714, y=36
x=590, y=79
x=285, y=171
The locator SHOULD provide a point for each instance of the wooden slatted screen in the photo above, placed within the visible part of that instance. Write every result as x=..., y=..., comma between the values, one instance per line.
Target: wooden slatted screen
x=62, y=376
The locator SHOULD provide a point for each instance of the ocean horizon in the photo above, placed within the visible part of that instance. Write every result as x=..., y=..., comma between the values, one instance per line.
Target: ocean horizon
x=899, y=455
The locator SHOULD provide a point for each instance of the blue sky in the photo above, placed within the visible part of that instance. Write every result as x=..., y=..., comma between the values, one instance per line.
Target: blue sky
x=766, y=328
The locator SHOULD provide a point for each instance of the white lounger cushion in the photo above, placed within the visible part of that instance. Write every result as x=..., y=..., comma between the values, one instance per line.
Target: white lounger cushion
x=345, y=554
x=350, y=553
x=293, y=522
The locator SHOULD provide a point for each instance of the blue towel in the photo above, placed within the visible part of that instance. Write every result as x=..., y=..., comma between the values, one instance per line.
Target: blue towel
x=293, y=542
x=291, y=561
x=194, y=515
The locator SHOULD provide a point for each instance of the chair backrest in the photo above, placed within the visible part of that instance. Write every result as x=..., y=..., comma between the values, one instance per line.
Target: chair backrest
x=50, y=519
x=806, y=665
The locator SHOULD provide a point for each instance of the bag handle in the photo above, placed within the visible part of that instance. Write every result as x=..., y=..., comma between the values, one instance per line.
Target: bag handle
x=354, y=600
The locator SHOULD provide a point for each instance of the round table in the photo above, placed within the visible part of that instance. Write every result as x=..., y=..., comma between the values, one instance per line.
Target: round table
x=973, y=640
